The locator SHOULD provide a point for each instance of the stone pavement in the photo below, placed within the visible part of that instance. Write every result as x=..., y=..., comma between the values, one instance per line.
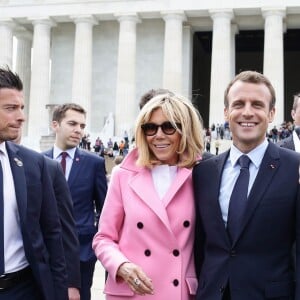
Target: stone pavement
x=98, y=282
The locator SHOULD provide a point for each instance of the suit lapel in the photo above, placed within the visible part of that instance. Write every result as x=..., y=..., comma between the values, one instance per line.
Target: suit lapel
x=76, y=165
x=268, y=168
x=18, y=172
x=139, y=184
x=220, y=161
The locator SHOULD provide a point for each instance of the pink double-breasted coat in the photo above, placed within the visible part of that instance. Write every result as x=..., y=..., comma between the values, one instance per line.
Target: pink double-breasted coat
x=156, y=234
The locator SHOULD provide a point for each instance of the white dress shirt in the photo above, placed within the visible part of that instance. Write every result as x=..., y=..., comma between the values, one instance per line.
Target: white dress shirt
x=69, y=159
x=14, y=255
x=231, y=172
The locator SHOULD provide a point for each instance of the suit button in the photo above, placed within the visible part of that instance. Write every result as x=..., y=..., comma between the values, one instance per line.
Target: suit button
x=140, y=225
x=232, y=253
x=175, y=252
x=175, y=282
x=186, y=223
x=147, y=252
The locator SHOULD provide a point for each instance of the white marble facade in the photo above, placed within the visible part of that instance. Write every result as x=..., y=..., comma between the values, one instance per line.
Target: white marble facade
x=105, y=54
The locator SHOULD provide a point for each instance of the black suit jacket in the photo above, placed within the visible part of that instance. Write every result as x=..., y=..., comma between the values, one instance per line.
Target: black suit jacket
x=65, y=211
x=39, y=221
x=258, y=263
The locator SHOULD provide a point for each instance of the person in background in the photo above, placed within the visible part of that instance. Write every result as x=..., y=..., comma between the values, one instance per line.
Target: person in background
x=86, y=177
x=146, y=229
x=292, y=142
x=248, y=215
x=32, y=261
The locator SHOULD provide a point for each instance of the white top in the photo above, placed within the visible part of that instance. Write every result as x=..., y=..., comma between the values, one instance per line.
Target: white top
x=163, y=176
x=14, y=255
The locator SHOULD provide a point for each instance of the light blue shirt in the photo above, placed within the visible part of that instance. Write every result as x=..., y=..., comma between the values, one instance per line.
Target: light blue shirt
x=69, y=159
x=232, y=170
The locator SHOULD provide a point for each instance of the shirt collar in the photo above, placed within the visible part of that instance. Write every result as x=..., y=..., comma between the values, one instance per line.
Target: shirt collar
x=57, y=151
x=256, y=155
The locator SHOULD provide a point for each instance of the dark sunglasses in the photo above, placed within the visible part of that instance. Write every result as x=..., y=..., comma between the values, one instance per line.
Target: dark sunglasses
x=166, y=127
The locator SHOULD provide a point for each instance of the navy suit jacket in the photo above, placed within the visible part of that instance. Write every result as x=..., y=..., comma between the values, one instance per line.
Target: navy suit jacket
x=287, y=143
x=39, y=221
x=258, y=264
x=88, y=186
x=66, y=214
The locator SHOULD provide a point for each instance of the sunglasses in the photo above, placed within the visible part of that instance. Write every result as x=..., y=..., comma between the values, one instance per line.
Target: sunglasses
x=167, y=128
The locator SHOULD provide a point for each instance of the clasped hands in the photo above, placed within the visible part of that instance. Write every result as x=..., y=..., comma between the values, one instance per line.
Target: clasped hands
x=137, y=280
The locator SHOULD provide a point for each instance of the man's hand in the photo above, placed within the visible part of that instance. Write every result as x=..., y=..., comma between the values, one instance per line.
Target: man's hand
x=73, y=294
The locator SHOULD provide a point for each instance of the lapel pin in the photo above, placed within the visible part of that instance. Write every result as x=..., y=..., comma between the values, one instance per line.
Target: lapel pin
x=18, y=162
x=77, y=159
x=272, y=166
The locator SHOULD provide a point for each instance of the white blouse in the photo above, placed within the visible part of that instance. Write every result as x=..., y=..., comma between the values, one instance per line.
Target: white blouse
x=163, y=176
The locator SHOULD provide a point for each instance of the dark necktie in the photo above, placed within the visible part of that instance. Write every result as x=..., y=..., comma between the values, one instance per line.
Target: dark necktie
x=238, y=199
x=63, y=161
x=2, y=222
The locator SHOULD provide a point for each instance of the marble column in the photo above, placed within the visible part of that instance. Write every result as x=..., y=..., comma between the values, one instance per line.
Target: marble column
x=172, y=71
x=23, y=66
x=40, y=84
x=274, y=55
x=6, y=37
x=126, y=104
x=234, y=31
x=221, y=62
x=82, y=66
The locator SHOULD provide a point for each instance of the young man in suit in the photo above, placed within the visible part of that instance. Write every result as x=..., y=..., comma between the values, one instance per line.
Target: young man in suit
x=293, y=141
x=32, y=264
x=86, y=176
x=248, y=216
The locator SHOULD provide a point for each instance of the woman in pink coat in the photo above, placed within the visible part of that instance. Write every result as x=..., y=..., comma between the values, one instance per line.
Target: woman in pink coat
x=146, y=229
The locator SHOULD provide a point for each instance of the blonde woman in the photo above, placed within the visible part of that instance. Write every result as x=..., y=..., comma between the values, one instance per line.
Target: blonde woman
x=146, y=229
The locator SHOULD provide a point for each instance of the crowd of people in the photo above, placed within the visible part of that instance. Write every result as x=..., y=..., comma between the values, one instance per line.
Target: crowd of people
x=174, y=221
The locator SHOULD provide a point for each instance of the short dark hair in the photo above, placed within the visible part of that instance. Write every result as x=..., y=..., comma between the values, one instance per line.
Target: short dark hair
x=10, y=80
x=60, y=111
x=251, y=77
x=152, y=93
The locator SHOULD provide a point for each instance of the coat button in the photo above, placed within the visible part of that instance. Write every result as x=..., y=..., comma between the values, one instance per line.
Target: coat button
x=175, y=282
x=147, y=252
x=186, y=223
x=175, y=252
x=140, y=225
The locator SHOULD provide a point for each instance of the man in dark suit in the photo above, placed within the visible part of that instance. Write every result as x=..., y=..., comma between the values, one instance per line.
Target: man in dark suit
x=86, y=176
x=69, y=233
x=248, y=215
x=32, y=264
x=293, y=141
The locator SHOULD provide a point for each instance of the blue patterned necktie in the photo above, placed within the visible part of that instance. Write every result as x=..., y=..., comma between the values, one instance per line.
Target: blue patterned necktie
x=1, y=222
x=238, y=198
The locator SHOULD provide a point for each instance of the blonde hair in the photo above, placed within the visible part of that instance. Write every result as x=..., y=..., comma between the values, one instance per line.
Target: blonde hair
x=177, y=109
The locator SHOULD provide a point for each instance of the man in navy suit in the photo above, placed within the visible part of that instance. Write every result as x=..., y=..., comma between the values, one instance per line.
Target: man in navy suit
x=293, y=141
x=32, y=264
x=86, y=176
x=243, y=249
